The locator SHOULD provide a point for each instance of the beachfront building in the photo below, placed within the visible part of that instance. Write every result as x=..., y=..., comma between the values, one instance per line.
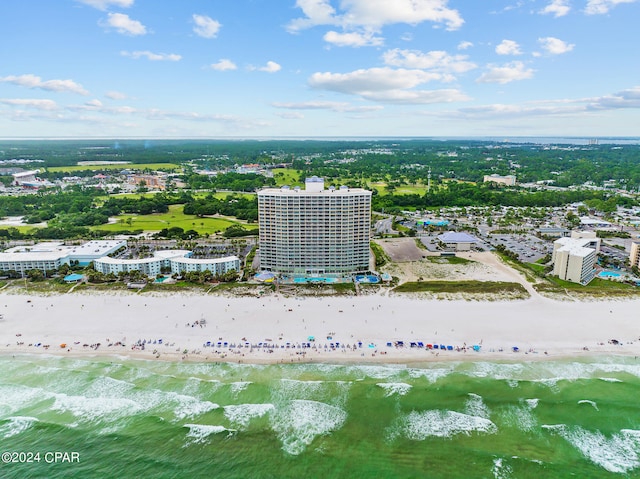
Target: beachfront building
x=457, y=241
x=314, y=231
x=178, y=261
x=574, y=258
x=509, y=180
x=49, y=256
x=634, y=256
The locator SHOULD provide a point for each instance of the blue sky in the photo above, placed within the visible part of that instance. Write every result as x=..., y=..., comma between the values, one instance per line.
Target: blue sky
x=263, y=68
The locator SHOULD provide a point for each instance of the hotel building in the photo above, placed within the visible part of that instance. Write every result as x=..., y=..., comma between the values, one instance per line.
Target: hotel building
x=314, y=231
x=574, y=258
x=178, y=260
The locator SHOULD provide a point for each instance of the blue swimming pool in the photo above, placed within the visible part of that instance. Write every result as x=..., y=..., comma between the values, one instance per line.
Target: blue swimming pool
x=369, y=278
x=608, y=274
x=303, y=280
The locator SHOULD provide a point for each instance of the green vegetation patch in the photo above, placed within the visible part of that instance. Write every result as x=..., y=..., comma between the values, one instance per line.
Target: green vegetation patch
x=380, y=255
x=286, y=176
x=174, y=218
x=115, y=166
x=449, y=260
x=466, y=287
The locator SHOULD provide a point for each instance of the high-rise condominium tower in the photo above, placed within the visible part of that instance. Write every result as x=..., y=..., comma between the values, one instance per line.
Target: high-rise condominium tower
x=314, y=230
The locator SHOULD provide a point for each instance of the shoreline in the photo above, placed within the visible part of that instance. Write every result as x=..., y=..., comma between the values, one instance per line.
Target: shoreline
x=359, y=328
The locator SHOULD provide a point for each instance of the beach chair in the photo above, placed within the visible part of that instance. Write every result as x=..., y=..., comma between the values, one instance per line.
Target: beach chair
x=389, y=344
x=420, y=344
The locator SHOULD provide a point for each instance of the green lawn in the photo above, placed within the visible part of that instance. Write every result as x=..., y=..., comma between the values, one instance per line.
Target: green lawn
x=174, y=218
x=286, y=176
x=115, y=166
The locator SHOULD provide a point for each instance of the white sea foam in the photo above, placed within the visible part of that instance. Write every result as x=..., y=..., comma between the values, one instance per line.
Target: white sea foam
x=188, y=406
x=395, y=388
x=16, y=425
x=376, y=372
x=435, y=423
x=475, y=406
x=239, y=386
x=432, y=374
x=532, y=403
x=241, y=414
x=591, y=403
x=618, y=453
x=611, y=380
x=299, y=422
x=501, y=470
x=13, y=398
x=332, y=392
x=94, y=409
x=199, y=433
x=519, y=417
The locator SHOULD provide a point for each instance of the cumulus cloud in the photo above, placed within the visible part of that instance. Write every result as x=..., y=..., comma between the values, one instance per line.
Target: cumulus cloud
x=38, y=104
x=505, y=74
x=555, y=46
x=206, y=27
x=464, y=45
x=374, y=14
x=115, y=95
x=123, y=24
x=33, y=81
x=557, y=8
x=386, y=85
x=353, y=39
x=328, y=105
x=508, y=47
x=224, y=65
x=598, y=7
x=434, y=60
x=290, y=115
x=270, y=67
x=105, y=4
x=154, y=57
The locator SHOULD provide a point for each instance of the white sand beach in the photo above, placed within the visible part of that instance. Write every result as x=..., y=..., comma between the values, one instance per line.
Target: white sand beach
x=275, y=328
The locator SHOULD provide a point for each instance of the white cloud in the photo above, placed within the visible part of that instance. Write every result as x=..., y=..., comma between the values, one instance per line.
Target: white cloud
x=464, y=45
x=33, y=81
x=433, y=60
x=38, y=104
x=386, y=85
x=558, y=8
x=115, y=95
x=155, y=57
x=508, y=47
x=123, y=24
x=505, y=74
x=353, y=39
x=270, y=67
x=328, y=105
x=206, y=27
x=224, y=65
x=595, y=7
x=374, y=14
x=105, y=4
x=555, y=46
x=290, y=115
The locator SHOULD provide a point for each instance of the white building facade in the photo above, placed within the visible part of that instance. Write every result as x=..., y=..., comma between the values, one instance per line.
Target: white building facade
x=314, y=231
x=574, y=258
x=178, y=261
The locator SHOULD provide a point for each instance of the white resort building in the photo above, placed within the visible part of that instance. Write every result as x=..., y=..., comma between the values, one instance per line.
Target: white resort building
x=574, y=258
x=178, y=260
x=50, y=256
x=314, y=231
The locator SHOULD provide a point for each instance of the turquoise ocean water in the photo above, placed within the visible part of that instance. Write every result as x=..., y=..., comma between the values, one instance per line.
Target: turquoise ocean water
x=125, y=418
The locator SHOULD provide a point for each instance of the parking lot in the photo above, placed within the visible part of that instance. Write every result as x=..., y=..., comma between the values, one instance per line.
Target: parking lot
x=529, y=248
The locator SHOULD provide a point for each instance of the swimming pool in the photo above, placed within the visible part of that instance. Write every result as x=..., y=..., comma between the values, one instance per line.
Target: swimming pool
x=369, y=278
x=608, y=274
x=305, y=279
